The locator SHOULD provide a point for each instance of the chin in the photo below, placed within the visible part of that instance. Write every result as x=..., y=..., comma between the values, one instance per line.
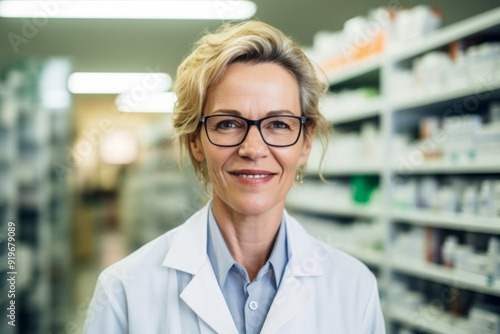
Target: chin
x=253, y=204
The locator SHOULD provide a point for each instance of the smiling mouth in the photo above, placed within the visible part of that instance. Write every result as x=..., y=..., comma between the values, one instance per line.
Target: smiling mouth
x=251, y=176
x=254, y=175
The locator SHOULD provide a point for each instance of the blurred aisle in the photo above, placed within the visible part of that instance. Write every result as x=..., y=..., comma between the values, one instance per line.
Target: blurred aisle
x=144, y=201
x=99, y=242
x=113, y=248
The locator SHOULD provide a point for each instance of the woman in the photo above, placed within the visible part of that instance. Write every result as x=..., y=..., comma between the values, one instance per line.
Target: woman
x=247, y=111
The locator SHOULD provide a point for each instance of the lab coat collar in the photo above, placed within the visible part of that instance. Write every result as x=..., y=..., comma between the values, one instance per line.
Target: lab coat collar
x=189, y=249
x=305, y=253
x=188, y=253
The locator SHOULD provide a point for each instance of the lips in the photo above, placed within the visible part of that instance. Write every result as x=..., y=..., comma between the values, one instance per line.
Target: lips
x=252, y=176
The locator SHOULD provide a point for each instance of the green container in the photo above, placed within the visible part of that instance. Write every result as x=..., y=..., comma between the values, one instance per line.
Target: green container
x=362, y=187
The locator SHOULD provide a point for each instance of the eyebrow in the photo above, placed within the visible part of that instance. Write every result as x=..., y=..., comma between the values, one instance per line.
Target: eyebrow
x=237, y=113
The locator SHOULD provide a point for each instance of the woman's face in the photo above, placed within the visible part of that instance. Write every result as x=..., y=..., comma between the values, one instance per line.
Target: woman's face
x=252, y=178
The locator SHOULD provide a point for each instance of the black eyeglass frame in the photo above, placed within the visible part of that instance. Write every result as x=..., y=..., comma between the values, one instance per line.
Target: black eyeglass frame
x=257, y=123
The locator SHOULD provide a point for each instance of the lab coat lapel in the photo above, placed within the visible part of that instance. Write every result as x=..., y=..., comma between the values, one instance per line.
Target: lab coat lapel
x=296, y=288
x=205, y=298
x=202, y=294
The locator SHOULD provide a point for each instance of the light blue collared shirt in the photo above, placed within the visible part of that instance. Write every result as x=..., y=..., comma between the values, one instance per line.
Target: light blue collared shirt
x=248, y=302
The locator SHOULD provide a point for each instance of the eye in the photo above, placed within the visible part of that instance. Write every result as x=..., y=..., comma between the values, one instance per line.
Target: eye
x=279, y=125
x=226, y=124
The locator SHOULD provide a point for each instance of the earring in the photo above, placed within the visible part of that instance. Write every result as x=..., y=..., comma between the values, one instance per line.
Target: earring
x=202, y=175
x=299, y=177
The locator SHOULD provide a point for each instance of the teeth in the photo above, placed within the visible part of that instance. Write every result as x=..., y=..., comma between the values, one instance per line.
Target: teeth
x=252, y=176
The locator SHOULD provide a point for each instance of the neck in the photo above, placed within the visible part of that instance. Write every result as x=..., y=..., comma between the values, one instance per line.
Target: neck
x=250, y=239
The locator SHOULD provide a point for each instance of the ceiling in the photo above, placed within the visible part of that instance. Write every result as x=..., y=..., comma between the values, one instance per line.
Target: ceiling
x=160, y=45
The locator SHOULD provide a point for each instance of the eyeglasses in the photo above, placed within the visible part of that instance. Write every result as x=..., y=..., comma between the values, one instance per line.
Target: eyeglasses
x=231, y=130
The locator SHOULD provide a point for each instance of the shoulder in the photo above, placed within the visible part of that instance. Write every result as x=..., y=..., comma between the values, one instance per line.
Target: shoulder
x=118, y=283
x=142, y=261
x=150, y=258
x=346, y=267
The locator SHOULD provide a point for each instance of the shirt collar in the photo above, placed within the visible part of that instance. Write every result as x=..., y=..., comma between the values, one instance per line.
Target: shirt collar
x=222, y=260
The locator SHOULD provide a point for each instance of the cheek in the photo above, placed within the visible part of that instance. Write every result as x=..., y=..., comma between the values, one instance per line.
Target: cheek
x=216, y=160
x=289, y=161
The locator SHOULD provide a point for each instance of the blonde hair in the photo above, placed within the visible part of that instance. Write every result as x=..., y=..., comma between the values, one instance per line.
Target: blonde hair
x=251, y=42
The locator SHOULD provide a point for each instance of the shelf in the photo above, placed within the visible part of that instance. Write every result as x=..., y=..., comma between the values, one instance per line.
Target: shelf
x=361, y=168
x=451, y=277
x=365, y=111
x=420, y=100
x=351, y=210
x=429, y=320
x=485, y=21
x=454, y=221
x=355, y=69
x=444, y=167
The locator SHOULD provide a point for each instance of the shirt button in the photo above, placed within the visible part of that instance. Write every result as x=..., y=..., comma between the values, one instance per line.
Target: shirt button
x=253, y=305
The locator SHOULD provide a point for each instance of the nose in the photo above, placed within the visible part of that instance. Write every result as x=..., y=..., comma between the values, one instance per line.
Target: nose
x=253, y=146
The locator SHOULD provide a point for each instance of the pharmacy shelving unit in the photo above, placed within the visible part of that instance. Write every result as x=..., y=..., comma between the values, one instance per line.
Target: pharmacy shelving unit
x=442, y=322
x=452, y=221
x=395, y=114
x=8, y=139
x=34, y=130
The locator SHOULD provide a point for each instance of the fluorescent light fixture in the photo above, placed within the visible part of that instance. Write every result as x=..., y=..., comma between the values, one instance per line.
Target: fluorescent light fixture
x=118, y=83
x=150, y=103
x=53, y=84
x=202, y=10
x=119, y=148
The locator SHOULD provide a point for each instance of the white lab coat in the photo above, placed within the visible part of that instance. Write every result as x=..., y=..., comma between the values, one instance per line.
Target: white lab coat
x=169, y=286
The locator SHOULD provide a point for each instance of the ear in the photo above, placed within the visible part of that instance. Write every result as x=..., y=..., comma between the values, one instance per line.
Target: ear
x=306, y=146
x=197, y=148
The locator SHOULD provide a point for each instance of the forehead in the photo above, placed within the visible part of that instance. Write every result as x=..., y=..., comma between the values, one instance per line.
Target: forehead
x=255, y=89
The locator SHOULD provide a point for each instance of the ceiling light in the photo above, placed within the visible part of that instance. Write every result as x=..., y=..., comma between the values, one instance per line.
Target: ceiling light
x=116, y=83
x=150, y=103
x=53, y=84
x=119, y=148
x=203, y=10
